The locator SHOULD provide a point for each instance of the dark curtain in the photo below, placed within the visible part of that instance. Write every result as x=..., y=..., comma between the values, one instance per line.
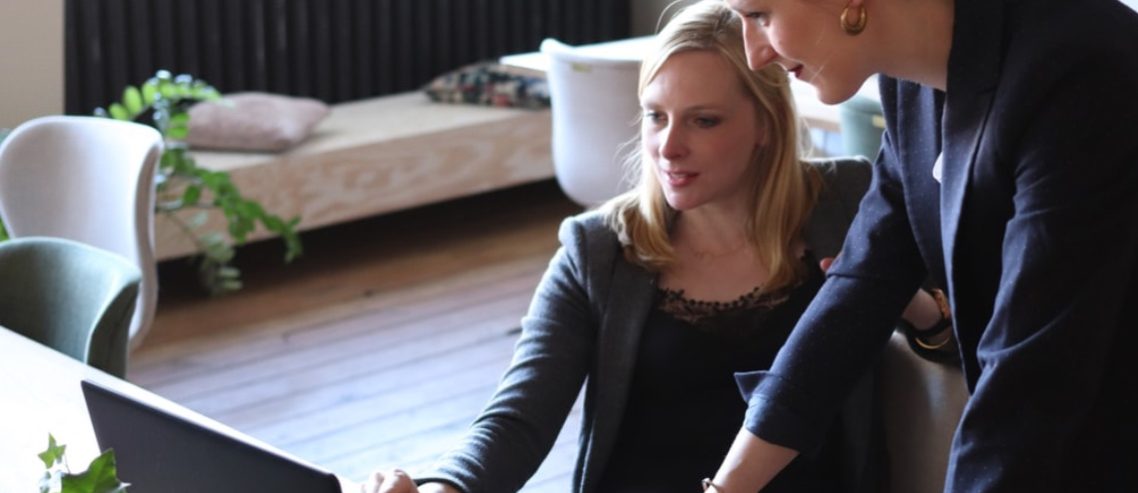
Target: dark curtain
x=332, y=50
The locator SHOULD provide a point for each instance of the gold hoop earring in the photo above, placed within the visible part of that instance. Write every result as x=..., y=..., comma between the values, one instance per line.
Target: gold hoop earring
x=858, y=26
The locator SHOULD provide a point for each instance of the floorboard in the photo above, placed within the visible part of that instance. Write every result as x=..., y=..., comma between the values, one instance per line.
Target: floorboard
x=378, y=347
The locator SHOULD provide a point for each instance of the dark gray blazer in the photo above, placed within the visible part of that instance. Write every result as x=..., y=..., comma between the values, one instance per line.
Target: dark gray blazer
x=583, y=328
x=1033, y=228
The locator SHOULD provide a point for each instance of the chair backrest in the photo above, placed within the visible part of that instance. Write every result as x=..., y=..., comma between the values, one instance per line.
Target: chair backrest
x=922, y=402
x=70, y=296
x=862, y=123
x=594, y=105
x=90, y=180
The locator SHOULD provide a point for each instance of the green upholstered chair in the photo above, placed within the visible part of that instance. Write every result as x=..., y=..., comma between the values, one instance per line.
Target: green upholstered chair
x=69, y=296
x=86, y=179
x=862, y=124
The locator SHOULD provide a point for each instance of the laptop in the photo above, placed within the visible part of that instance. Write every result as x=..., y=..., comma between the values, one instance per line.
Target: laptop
x=158, y=452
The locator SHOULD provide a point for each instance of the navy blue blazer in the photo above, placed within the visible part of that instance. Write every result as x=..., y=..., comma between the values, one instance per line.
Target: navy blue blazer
x=1032, y=227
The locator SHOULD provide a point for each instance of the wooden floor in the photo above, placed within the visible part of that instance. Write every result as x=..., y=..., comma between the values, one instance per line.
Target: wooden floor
x=378, y=347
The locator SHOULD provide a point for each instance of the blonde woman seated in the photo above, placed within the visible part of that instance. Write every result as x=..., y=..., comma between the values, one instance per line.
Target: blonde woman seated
x=654, y=301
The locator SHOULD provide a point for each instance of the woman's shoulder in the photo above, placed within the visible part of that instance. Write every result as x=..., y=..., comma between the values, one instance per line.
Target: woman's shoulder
x=844, y=182
x=843, y=175
x=588, y=224
x=589, y=236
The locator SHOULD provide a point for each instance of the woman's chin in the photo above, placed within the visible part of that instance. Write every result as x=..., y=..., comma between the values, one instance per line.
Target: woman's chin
x=832, y=94
x=680, y=203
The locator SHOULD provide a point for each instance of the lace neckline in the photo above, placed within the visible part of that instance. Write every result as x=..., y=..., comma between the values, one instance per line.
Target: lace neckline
x=674, y=303
x=704, y=313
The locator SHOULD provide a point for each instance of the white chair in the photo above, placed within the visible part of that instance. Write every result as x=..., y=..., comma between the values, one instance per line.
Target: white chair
x=595, y=105
x=89, y=180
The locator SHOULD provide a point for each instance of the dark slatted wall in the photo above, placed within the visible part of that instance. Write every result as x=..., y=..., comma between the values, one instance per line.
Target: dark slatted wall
x=333, y=50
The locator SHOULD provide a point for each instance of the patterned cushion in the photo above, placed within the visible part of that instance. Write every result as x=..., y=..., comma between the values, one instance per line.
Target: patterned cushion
x=489, y=84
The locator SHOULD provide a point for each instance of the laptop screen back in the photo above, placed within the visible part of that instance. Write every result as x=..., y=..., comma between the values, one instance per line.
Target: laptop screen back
x=158, y=452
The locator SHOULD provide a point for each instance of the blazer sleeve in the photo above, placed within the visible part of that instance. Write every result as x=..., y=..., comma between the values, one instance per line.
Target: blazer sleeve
x=1069, y=262
x=509, y=440
x=838, y=338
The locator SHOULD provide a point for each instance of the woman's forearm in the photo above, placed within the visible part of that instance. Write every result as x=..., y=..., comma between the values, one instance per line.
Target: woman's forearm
x=750, y=464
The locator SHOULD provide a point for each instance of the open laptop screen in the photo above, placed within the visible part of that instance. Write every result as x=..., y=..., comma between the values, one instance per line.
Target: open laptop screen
x=162, y=453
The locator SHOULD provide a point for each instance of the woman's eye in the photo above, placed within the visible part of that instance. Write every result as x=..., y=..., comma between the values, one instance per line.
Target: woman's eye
x=653, y=116
x=760, y=17
x=706, y=121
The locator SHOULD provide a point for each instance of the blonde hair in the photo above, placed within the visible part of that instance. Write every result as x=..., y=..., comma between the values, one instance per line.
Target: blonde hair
x=784, y=188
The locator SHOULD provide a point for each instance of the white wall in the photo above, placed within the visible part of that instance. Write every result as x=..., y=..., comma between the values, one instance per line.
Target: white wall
x=31, y=60
x=1132, y=3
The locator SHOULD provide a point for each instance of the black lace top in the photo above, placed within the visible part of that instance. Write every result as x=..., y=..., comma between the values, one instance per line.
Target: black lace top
x=684, y=408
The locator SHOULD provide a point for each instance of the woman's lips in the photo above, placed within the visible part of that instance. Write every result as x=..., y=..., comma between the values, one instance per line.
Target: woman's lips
x=678, y=179
x=797, y=71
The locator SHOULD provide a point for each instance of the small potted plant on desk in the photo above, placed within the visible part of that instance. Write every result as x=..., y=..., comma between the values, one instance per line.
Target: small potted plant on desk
x=101, y=475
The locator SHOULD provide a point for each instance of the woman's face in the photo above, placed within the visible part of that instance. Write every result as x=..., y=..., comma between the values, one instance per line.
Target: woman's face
x=699, y=131
x=806, y=38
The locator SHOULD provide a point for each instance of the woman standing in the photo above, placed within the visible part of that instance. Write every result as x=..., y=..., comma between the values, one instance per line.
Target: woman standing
x=1008, y=173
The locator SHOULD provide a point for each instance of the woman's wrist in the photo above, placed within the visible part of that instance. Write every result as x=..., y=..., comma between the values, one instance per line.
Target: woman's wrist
x=437, y=488
x=923, y=311
x=750, y=464
x=929, y=319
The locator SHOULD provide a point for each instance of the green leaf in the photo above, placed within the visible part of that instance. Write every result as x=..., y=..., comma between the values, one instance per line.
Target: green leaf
x=197, y=220
x=206, y=93
x=179, y=126
x=54, y=452
x=167, y=89
x=216, y=248
x=132, y=100
x=118, y=112
x=231, y=285
x=191, y=195
x=100, y=477
x=150, y=91
x=52, y=480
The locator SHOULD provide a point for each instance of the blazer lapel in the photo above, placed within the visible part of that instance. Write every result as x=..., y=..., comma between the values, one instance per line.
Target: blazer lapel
x=973, y=71
x=626, y=310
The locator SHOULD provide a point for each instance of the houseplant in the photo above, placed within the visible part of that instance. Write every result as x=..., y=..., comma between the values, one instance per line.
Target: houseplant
x=180, y=185
x=163, y=101
x=100, y=477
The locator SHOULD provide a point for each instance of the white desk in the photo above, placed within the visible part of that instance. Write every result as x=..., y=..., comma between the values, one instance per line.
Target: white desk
x=816, y=114
x=40, y=394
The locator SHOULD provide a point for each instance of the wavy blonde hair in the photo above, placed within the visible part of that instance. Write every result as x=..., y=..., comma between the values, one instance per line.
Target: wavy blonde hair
x=784, y=188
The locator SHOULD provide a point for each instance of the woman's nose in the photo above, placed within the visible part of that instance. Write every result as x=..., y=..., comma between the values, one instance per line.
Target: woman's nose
x=759, y=51
x=672, y=146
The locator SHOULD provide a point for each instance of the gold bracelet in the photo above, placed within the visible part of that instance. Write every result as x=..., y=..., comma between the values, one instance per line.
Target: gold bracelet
x=935, y=346
x=709, y=486
x=945, y=322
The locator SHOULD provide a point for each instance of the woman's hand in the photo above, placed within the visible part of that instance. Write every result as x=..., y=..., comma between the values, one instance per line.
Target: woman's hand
x=392, y=481
x=397, y=481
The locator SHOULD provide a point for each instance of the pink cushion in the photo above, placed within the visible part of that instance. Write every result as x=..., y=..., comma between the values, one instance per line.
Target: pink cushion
x=254, y=121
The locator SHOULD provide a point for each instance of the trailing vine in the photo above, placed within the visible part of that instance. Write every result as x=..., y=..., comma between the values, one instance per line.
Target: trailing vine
x=181, y=185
